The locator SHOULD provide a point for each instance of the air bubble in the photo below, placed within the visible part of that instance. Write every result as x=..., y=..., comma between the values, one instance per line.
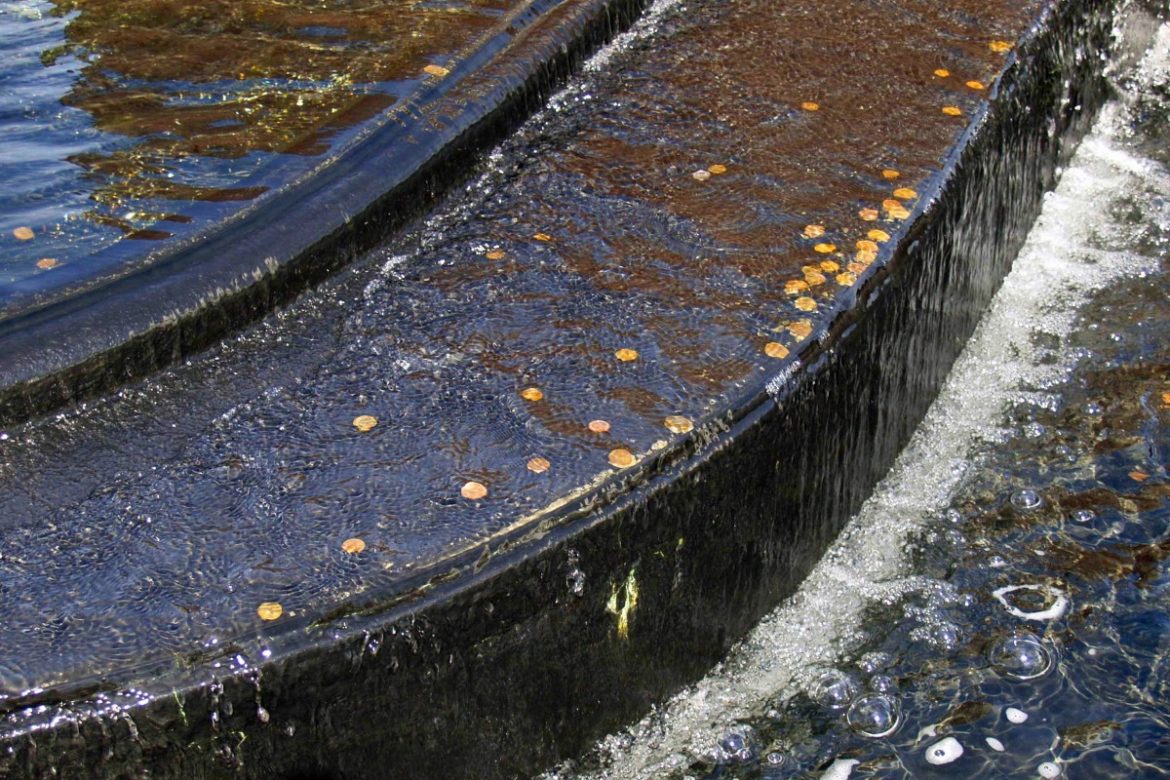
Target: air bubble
x=1021, y=656
x=872, y=663
x=882, y=683
x=875, y=715
x=1026, y=498
x=944, y=751
x=835, y=690
x=1083, y=516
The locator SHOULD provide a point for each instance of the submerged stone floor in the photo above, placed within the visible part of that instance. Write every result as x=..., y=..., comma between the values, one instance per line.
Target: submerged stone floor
x=637, y=264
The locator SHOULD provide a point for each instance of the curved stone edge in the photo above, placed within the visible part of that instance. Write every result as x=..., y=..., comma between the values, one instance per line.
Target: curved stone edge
x=199, y=291
x=498, y=667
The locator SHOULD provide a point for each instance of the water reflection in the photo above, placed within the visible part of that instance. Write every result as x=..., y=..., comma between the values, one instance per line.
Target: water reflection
x=170, y=106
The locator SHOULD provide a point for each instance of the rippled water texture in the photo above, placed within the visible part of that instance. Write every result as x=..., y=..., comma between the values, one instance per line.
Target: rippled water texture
x=650, y=253
x=1000, y=607
x=143, y=120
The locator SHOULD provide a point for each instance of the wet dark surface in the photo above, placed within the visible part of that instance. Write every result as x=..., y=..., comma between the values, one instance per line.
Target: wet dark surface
x=131, y=125
x=157, y=523
x=1029, y=636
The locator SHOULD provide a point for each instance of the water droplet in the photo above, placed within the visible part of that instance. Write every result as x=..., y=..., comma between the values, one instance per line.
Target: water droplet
x=262, y=715
x=944, y=751
x=1026, y=498
x=835, y=689
x=1021, y=656
x=875, y=715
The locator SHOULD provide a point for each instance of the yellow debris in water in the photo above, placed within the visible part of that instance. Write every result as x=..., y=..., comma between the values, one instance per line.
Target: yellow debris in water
x=717, y=168
x=808, y=105
x=795, y=286
x=598, y=426
x=45, y=263
x=800, y=329
x=542, y=237
x=269, y=610
x=23, y=233
x=538, y=465
x=825, y=248
x=905, y=193
x=865, y=245
x=531, y=394
x=621, y=458
x=846, y=279
x=626, y=355
x=496, y=254
x=806, y=304
x=365, y=422
x=436, y=70
x=952, y=110
x=869, y=215
x=676, y=423
x=942, y=73
x=975, y=84
x=774, y=349
x=830, y=266
x=813, y=231
x=353, y=546
x=473, y=491
x=890, y=173
x=999, y=47
x=878, y=235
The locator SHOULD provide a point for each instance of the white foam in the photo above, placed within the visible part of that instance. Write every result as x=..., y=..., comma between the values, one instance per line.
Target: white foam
x=1072, y=251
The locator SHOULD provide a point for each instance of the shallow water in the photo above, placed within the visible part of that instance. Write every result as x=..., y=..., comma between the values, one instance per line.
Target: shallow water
x=633, y=218
x=126, y=124
x=999, y=607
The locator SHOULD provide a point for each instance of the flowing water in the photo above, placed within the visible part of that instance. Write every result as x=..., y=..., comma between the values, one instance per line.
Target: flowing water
x=1001, y=606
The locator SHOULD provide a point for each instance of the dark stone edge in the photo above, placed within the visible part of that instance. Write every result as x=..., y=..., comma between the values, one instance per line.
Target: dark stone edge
x=201, y=290
x=497, y=668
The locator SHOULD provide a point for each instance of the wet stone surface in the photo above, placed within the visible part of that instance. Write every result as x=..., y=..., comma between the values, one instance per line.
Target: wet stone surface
x=637, y=263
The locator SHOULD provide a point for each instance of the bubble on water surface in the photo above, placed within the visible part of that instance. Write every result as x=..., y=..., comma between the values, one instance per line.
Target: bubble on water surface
x=1021, y=656
x=1026, y=498
x=835, y=689
x=875, y=715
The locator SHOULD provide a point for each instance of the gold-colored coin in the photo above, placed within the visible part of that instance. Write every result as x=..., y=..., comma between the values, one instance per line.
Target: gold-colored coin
x=473, y=491
x=531, y=394
x=538, y=465
x=365, y=422
x=626, y=355
x=598, y=426
x=622, y=458
x=269, y=610
x=774, y=349
x=678, y=424
x=353, y=546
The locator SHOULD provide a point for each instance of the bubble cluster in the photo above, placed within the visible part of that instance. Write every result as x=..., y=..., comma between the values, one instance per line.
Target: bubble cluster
x=834, y=689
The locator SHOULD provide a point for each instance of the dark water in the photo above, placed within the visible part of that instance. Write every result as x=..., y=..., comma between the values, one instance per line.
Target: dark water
x=1001, y=607
x=664, y=206
x=124, y=124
